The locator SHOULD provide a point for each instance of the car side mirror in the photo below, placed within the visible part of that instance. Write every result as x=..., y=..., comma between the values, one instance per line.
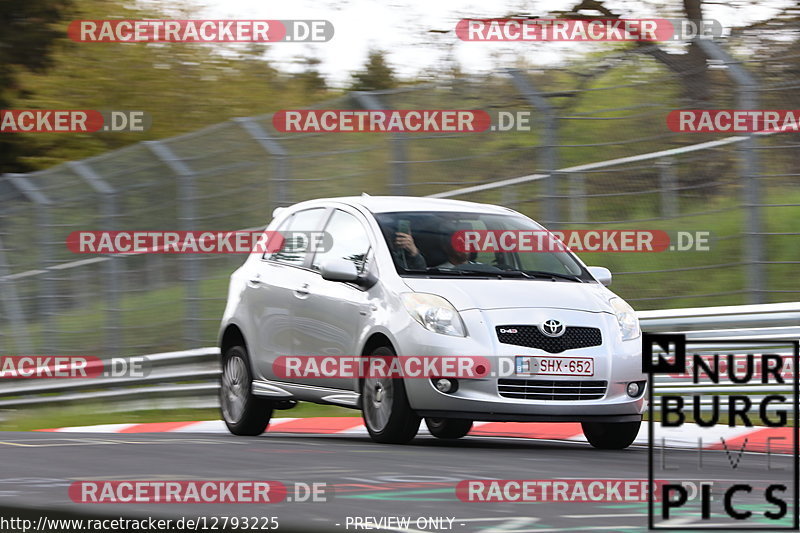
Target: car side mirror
x=601, y=274
x=338, y=269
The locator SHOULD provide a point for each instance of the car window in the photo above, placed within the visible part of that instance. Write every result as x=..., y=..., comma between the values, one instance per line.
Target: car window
x=349, y=241
x=432, y=233
x=293, y=251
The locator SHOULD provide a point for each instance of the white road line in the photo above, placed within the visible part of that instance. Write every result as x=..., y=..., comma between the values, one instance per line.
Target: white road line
x=618, y=515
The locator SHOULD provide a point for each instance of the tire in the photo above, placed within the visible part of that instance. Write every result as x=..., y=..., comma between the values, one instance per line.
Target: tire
x=448, y=428
x=243, y=413
x=385, y=409
x=611, y=436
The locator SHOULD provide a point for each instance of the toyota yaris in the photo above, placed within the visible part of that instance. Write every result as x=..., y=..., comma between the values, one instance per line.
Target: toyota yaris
x=389, y=283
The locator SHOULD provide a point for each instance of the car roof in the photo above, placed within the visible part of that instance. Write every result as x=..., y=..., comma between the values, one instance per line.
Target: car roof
x=389, y=204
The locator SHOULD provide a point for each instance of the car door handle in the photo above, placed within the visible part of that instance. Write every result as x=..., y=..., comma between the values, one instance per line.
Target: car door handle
x=302, y=292
x=365, y=309
x=254, y=282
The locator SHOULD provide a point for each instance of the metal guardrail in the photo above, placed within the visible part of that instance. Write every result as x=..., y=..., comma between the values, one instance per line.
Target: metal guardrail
x=190, y=378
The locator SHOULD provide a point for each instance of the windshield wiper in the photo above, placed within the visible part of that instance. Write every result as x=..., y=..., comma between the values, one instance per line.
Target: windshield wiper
x=456, y=271
x=512, y=274
x=543, y=274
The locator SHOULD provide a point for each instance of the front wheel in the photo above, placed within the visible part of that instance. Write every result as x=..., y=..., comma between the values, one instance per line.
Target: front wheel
x=384, y=406
x=612, y=435
x=448, y=428
x=243, y=413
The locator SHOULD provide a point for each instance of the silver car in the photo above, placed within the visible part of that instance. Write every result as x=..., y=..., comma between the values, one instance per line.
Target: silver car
x=561, y=346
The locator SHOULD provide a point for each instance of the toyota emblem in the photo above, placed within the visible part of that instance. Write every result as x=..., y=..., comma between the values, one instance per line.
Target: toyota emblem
x=552, y=328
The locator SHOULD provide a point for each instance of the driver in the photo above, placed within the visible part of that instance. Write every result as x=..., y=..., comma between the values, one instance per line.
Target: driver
x=406, y=252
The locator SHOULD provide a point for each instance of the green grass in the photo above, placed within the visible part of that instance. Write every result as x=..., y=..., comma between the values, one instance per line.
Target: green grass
x=647, y=289
x=90, y=415
x=153, y=320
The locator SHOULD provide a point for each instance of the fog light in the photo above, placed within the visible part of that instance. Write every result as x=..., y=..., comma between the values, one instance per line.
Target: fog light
x=445, y=385
x=635, y=388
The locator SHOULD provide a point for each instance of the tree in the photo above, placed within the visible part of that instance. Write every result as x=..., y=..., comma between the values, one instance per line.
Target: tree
x=311, y=78
x=690, y=66
x=376, y=75
x=181, y=86
x=26, y=43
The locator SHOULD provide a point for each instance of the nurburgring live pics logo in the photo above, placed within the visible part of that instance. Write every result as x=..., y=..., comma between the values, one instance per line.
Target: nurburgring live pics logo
x=715, y=398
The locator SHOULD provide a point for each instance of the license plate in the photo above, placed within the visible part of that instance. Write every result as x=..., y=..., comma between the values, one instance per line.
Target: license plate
x=534, y=365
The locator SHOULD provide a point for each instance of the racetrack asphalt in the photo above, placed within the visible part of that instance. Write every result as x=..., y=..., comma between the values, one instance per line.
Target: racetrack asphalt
x=363, y=479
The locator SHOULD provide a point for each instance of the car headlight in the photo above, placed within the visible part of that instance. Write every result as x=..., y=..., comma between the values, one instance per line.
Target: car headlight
x=434, y=313
x=626, y=318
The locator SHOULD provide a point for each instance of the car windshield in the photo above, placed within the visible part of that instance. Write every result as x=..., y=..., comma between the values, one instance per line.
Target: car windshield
x=422, y=243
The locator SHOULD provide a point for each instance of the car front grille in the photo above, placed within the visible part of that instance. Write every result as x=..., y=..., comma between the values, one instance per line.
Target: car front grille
x=530, y=337
x=546, y=389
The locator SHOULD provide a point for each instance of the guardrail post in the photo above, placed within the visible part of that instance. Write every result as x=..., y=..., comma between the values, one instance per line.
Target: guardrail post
x=112, y=281
x=399, y=160
x=668, y=183
x=549, y=160
x=279, y=157
x=747, y=98
x=187, y=216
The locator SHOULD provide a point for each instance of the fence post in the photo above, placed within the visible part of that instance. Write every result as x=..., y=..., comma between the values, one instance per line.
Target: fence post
x=109, y=214
x=668, y=183
x=280, y=163
x=187, y=216
x=12, y=307
x=746, y=98
x=577, y=197
x=44, y=242
x=8, y=288
x=399, y=160
x=549, y=164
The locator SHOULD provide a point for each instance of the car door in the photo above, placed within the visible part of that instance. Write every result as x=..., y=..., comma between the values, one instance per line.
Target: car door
x=330, y=317
x=273, y=286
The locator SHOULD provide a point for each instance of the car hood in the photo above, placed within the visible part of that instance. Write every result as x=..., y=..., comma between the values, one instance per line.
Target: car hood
x=516, y=293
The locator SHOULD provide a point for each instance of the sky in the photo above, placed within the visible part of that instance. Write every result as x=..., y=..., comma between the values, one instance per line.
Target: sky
x=403, y=29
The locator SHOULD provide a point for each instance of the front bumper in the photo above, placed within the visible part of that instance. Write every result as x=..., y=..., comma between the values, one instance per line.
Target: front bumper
x=615, y=361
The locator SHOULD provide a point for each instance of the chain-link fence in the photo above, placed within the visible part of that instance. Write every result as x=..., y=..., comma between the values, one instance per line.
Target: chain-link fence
x=599, y=155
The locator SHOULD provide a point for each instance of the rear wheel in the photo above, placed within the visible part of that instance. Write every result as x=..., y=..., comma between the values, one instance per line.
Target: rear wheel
x=611, y=436
x=448, y=428
x=243, y=413
x=384, y=406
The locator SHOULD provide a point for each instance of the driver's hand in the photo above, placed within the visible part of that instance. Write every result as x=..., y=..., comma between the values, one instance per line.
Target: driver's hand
x=406, y=242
